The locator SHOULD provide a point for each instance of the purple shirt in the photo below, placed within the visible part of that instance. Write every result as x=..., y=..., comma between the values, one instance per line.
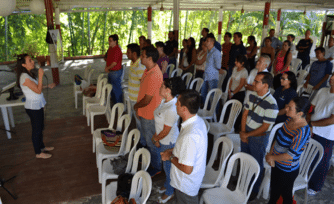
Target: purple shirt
x=159, y=62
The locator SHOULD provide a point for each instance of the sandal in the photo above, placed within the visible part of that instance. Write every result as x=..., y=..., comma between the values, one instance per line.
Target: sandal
x=48, y=149
x=43, y=156
x=161, y=191
x=160, y=200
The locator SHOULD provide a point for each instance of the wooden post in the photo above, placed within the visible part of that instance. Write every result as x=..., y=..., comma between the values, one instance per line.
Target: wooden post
x=149, y=23
x=278, y=23
x=176, y=12
x=265, y=20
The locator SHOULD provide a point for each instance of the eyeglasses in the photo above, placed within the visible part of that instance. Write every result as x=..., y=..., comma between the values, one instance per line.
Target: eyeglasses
x=284, y=79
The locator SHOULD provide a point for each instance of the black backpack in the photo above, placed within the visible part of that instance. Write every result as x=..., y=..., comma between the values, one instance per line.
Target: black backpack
x=124, y=185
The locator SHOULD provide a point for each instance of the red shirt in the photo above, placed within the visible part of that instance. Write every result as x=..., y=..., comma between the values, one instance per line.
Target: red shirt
x=226, y=54
x=115, y=55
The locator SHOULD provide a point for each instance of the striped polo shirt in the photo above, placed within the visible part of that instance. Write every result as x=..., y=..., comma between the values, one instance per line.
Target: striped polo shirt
x=262, y=109
x=135, y=74
x=292, y=142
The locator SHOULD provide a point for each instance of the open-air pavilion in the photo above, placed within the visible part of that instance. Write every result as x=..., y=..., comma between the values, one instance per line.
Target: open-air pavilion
x=70, y=176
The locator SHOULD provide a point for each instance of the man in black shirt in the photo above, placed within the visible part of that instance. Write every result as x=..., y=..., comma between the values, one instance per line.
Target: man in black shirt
x=171, y=48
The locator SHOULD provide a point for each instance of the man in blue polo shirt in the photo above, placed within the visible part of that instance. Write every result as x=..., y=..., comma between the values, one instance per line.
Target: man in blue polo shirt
x=257, y=120
x=204, y=33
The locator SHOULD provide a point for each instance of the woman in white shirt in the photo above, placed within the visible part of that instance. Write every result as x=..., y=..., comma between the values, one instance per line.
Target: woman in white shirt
x=238, y=79
x=165, y=117
x=201, y=59
x=35, y=101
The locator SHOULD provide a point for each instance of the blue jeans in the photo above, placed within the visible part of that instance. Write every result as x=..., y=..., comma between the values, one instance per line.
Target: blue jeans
x=166, y=165
x=256, y=147
x=208, y=86
x=147, y=131
x=115, y=79
x=318, y=177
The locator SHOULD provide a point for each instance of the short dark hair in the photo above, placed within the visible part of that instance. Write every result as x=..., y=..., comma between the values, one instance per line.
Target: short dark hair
x=228, y=34
x=175, y=84
x=267, y=38
x=267, y=78
x=212, y=36
x=238, y=34
x=302, y=105
x=161, y=44
x=171, y=32
x=152, y=52
x=114, y=37
x=271, y=29
x=321, y=49
x=134, y=48
x=142, y=37
x=190, y=99
x=206, y=30
x=292, y=36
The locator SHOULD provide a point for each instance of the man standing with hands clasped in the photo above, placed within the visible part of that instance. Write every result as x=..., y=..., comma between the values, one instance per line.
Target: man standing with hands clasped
x=188, y=157
x=257, y=120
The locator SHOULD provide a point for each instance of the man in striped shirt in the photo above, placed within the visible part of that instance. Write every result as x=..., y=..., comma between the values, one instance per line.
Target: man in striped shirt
x=257, y=120
x=135, y=73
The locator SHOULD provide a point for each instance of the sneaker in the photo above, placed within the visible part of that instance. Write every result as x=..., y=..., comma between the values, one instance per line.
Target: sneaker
x=153, y=172
x=311, y=192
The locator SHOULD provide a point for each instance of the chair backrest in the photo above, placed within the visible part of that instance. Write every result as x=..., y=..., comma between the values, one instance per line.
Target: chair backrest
x=187, y=78
x=225, y=93
x=207, y=124
x=312, y=149
x=295, y=65
x=217, y=93
x=126, y=120
x=221, y=78
x=141, y=187
x=134, y=136
x=124, y=75
x=227, y=149
x=301, y=89
x=176, y=72
x=236, y=107
x=272, y=135
x=301, y=75
x=170, y=69
x=89, y=77
x=100, y=84
x=132, y=166
x=87, y=70
x=119, y=109
x=199, y=83
x=249, y=171
x=105, y=95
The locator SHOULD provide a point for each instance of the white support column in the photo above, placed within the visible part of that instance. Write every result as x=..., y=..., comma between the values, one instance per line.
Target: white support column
x=220, y=25
x=176, y=10
x=278, y=23
x=149, y=22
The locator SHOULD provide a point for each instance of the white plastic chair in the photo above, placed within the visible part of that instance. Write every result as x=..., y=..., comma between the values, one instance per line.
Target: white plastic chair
x=235, y=138
x=212, y=177
x=313, y=149
x=265, y=185
x=199, y=84
x=221, y=78
x=176, y=72
x=101, y=108
x=301, y=76
x=210, y=114
x=225, y=93
x=125, y=76
x=187, y=78
x=141, y=187
x=118, y=109
x=249, y=168
x=77, y=88
x=96, y=99
x=301, y=89
x=132, y=167
x=102, y=153
x=207, y=124
x=170, y=69
x=219, y=128
x=295, y=65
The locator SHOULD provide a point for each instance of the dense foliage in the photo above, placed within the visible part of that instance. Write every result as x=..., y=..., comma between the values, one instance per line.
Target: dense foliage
x=86, y=33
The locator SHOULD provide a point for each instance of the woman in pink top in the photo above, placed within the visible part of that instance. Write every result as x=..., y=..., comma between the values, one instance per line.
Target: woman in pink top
x=282, y=63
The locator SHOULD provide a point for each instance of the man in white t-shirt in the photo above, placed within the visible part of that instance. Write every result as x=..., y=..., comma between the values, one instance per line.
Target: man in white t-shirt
x=322, y=122
x=261, y=66
x=188, y=157
x=329, y=50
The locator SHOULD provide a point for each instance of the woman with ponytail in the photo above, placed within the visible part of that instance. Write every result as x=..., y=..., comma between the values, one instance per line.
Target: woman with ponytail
x=282, y=63
x=32, y=86
x=251, y=51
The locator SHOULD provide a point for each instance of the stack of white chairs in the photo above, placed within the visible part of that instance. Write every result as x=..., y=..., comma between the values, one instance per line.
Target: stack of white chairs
x=187, y=78
x=249, y=172
x=218, y=129
x=308, y=90
x=221, y=78
x=102, y=153
x=77, y=88
x=224, y=96
x=170, y=69
x=301, y=76
x=210, y=114
x=212, y=177
x=176, y=72
x=295, y=65
x=99, y=109
x=199, y=84
x=141, y=187
x=109, y=192
x=96, y=99
x=118, y=109
x=313, y=149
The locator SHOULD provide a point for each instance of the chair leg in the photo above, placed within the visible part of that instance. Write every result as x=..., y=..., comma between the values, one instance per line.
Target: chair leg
x=83, y=106
x=103, y=192
x=201, y=201
x=76, y=100
x=92, y=123
x=94, y=149
x=100, y=168
x=88, y=117
x=306, y=196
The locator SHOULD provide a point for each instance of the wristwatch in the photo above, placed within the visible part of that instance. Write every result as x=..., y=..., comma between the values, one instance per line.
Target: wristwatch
x=171, y=157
